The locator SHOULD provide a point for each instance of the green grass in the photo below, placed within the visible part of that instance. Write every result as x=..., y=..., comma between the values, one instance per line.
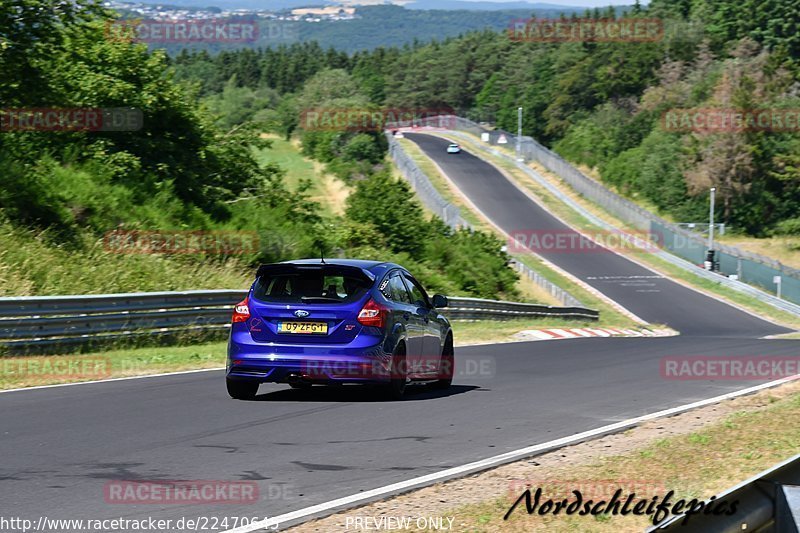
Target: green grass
x=28, y=371
x=31, y=265
x=694, y=465
x=325, y=189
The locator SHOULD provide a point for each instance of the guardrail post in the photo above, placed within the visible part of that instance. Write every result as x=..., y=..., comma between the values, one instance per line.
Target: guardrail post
x=787, y=509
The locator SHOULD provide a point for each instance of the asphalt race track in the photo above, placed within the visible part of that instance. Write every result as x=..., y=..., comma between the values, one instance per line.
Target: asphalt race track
x=62, y=445
x=636, y=288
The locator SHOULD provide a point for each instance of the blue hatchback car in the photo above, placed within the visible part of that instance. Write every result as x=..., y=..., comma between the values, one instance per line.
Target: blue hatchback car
x=338, y=321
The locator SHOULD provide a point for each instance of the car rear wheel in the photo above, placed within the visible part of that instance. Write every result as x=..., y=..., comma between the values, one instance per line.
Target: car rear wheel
x=242, y=390
x=447, y=364
x=396, y=388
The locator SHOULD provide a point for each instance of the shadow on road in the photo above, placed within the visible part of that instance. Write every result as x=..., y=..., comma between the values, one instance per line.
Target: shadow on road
x=359, y=393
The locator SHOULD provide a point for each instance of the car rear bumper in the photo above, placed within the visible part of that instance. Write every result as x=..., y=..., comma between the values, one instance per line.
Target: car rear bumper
x=351, y=363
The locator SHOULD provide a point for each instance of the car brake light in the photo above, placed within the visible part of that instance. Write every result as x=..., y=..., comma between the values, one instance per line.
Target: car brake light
x=372, y=314
x=241, y=312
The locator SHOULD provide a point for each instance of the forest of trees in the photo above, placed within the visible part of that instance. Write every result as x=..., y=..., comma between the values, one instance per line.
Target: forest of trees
x=599, y=104
x=374, y=26
x=191, y=166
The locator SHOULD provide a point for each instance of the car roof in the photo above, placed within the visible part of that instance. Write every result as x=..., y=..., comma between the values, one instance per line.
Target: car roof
x=376, y=267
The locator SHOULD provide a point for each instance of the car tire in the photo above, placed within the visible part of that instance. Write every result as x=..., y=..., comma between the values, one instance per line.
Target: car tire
x=396, y=388
x=242, y=390
x=447, y=365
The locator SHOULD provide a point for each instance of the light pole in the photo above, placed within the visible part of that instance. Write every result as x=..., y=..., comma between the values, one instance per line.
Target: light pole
x=519, y=134
x=710, y=255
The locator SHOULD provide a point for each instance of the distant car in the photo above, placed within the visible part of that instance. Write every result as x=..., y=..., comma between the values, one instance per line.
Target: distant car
x=453, y=149
x=311, y=322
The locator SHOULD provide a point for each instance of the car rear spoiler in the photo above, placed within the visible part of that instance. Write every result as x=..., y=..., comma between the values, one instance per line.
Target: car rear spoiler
x=332, y=269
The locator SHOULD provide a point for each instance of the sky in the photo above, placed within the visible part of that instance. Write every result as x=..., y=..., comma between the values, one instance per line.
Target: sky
x=580, y=3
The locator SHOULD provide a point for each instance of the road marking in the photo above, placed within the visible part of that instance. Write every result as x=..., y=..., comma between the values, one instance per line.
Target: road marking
x=626, y=277
x=112, y=379
x=327, y=508
x=553, y=334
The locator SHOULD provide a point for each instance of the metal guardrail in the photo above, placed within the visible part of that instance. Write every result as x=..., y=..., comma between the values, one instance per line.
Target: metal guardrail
x=477, y=308
x=554, y=290
x=43, y=323
x=769, y=501
x=48, y=322
x=37, y=306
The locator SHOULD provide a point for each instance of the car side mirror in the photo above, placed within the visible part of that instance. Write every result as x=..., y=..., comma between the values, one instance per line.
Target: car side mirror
x=439, y=300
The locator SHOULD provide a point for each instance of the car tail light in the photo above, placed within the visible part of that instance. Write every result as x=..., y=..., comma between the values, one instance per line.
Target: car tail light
x=372, y=314
x=241, y=312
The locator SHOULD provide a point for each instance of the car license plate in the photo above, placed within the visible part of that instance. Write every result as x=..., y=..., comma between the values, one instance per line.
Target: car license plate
x=303, y=328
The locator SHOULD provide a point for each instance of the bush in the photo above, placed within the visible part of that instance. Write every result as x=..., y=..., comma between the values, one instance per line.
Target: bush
x=788, y=227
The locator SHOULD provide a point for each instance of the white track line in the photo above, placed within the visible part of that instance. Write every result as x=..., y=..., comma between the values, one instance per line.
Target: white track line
x=329, y=507
x=111, y=379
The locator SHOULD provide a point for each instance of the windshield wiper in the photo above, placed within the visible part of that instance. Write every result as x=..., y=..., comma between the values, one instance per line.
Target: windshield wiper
x=323, y=298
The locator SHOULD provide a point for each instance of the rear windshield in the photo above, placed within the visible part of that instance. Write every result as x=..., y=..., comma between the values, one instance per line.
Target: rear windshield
x=320, y=285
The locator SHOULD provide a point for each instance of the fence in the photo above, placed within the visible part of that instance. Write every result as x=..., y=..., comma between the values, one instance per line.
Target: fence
x=554, y=290
x=47, y=323
x=451, y=215
x=751, y=268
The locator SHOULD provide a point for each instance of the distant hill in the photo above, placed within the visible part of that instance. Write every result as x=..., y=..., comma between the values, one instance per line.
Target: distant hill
x=380, y=26
x=493, y=6
x=272, y=5
x=395, y=26
x=460, y=5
